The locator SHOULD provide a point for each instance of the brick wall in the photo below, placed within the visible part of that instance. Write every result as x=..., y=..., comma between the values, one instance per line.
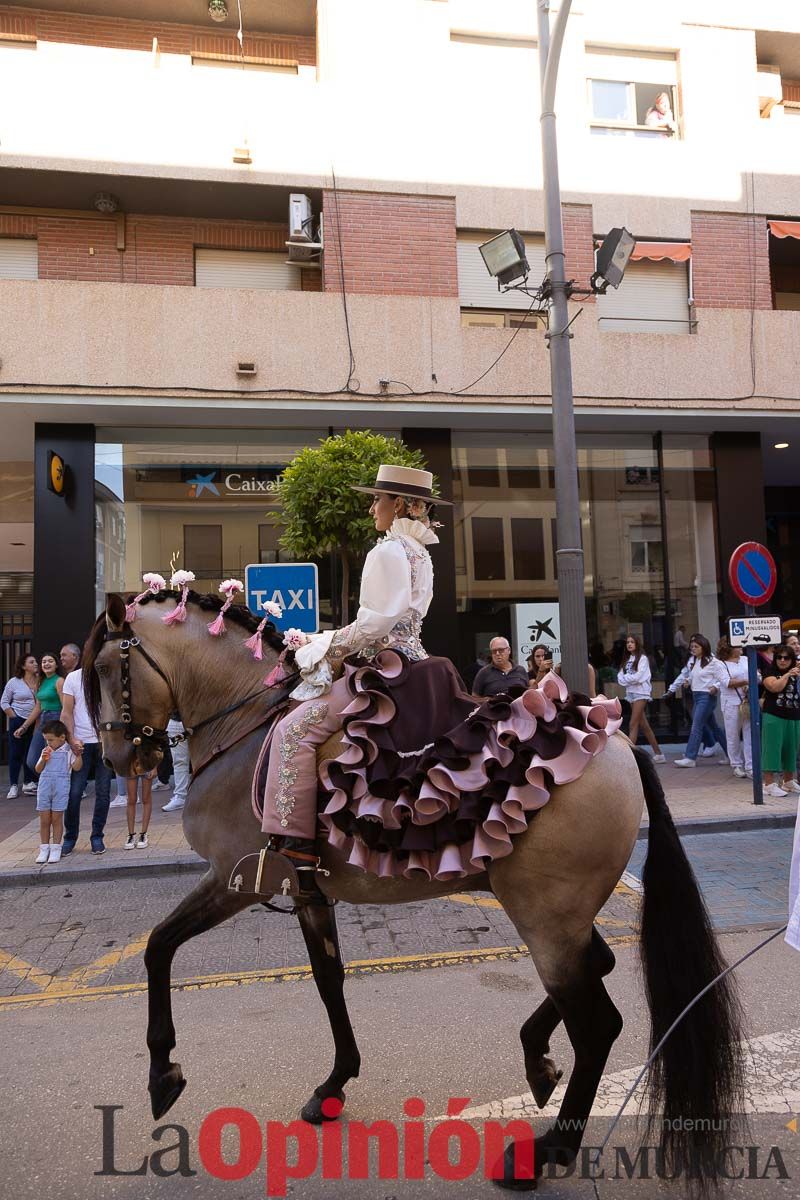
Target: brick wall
x=730, y=260
x=391, y=245
x=158, y=249
x=122, y=34
x=578, y=243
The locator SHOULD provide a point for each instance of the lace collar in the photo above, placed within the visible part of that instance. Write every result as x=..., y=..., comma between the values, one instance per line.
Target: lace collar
x=417, y=530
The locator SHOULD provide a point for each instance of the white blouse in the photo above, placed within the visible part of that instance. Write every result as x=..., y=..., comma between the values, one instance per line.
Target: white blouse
x=396, y=592
x=735, y=672
x=637, y=681
x=701, y=678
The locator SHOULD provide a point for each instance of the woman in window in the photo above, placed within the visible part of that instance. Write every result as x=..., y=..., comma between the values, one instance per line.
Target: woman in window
x=659, y=115
x=780, y=724
x=636, y=678
x=705, y=675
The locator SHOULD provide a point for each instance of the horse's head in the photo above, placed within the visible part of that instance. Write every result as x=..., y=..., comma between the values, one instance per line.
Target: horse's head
x=127, y=692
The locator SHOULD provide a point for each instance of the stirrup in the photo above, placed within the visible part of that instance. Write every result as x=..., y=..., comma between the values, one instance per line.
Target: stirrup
x=272, y=873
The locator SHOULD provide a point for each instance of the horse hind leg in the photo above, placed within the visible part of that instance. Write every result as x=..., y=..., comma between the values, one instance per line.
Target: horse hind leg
x=208, y=905
x=540, y=1070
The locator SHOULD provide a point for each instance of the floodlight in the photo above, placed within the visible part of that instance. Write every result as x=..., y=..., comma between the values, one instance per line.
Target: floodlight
x=612, y=259
x=504, y=256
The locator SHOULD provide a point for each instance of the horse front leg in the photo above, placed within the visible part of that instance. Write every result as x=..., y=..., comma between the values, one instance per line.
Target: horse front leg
x=318, y=923
x=209, y=904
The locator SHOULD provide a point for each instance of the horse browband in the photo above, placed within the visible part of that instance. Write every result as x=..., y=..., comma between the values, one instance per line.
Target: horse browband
x=133, y=731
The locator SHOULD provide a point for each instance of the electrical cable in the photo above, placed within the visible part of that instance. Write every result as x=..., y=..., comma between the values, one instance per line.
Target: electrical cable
x=657, y=1050
x=536, y=300
x=340, y=259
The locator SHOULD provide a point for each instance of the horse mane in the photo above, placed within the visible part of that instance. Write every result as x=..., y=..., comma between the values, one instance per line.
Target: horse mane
x=239, y=614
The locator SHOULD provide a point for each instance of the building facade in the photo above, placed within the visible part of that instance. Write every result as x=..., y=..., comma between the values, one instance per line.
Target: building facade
x=162, y=336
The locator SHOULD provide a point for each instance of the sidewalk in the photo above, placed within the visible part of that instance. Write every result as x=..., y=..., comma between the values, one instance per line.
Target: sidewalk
x=707, y=799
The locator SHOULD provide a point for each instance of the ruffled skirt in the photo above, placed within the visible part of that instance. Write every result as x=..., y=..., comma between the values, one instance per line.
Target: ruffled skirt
x=430, y=782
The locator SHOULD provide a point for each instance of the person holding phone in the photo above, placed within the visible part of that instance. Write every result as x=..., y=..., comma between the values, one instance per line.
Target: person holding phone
x=780, y=724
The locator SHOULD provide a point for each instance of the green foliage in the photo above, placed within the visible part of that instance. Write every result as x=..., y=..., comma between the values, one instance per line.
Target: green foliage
x=320, y=511
x=637, y=606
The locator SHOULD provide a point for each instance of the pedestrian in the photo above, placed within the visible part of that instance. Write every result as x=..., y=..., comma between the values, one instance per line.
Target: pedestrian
x=55, y=768
x=180, y=765
x=735, y=713
x=18, y=702
x=540, y=663
x=637, y=680
x=147, y=809
x=47, y=707
x=780, y=724
x=705, y=675
x=83, y=740
x=501, y=673
x=680, y=645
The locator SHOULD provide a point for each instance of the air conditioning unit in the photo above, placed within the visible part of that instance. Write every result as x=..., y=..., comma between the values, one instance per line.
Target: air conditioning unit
x=301, y=218
x=307, y=254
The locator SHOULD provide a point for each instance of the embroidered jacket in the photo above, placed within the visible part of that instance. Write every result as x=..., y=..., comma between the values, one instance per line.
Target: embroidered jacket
x=396, y=591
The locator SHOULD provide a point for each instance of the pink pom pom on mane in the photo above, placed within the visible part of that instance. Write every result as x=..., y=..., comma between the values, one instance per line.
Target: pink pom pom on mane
x=253, y=643
x=178, y=614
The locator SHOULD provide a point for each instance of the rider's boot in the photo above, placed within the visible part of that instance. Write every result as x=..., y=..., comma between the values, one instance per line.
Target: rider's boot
x=304, y=857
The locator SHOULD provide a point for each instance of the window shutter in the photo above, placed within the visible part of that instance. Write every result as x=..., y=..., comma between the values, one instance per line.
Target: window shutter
x=245, y=269
x=478, y=289
x=19, y=258
x=652, y=298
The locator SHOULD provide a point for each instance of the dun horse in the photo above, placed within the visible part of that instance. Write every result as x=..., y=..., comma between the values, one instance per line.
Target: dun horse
x=561, y=872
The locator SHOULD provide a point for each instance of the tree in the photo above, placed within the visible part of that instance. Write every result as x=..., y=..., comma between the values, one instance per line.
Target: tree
x=320, y=510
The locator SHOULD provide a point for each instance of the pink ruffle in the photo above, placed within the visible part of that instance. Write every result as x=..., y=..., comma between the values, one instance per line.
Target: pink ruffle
x=441, y=789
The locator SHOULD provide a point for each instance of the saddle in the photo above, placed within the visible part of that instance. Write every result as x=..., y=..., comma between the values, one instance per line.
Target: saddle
x=266, y=872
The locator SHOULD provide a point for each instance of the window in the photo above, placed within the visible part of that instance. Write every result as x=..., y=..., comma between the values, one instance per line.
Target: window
x=488, y=554
x=632, y=93
x=268, y=543
x=652, y=298
x=19, y=258
x=784, y=264
x=245, y=269
x=202, y=550
x=527, y=547
x=482, y=303
x=647, y=553
x=476, y=318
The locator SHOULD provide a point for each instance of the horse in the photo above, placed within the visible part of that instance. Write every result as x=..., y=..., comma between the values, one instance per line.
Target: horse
x=552, y=886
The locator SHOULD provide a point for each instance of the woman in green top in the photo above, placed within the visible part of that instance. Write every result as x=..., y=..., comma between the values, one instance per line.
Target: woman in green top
x=47, y=707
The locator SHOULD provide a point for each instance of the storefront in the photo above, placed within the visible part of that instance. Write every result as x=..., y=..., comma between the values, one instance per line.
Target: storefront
x=657, y=524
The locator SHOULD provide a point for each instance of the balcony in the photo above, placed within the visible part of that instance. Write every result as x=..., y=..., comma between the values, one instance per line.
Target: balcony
x=173, y=339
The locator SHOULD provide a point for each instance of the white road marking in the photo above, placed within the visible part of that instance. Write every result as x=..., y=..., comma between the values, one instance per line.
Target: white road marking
x=632, y=882
x=773, y=1085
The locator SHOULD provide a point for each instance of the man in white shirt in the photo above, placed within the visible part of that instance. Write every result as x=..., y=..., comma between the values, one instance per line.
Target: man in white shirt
x=83, y=740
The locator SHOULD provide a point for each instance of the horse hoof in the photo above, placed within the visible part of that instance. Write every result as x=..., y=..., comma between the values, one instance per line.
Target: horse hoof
x=165, y=1089
x=504, y=1174
x=544, y=1082
x=312, y=1110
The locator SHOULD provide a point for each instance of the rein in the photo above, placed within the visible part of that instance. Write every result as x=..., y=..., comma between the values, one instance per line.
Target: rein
x=140, y=734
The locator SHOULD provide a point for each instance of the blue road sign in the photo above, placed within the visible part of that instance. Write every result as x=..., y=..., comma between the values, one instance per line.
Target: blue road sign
x=292, y=585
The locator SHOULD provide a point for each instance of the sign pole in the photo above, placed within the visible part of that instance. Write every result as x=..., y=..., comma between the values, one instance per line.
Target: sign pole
x=753, y=575
x=755, y=716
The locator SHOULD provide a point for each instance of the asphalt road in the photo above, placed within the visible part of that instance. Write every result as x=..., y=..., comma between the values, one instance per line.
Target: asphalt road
x=253, y=1035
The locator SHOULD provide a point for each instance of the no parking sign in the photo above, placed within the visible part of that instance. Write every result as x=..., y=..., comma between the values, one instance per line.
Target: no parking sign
x=752, y=573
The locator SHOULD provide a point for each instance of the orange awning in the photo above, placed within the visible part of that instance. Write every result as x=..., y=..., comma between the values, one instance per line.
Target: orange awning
x=782, y=229
x=675, y=251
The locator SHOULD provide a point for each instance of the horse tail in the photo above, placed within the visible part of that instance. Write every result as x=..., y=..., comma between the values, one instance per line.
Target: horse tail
x=696, y=1082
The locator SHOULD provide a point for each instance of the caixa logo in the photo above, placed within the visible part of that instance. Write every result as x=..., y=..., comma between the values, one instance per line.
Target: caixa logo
x=232, y=483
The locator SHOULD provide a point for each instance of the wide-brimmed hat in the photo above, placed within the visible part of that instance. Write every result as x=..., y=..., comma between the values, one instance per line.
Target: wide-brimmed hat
x=407, y=482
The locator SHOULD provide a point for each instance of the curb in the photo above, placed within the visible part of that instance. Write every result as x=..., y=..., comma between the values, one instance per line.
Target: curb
x=11, y=879
x=728, y=825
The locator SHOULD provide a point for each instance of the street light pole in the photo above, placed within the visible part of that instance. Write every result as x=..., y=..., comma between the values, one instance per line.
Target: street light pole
x=569, y=553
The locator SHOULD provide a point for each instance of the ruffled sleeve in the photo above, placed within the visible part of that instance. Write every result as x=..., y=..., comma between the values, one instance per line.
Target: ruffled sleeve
x=385, y=597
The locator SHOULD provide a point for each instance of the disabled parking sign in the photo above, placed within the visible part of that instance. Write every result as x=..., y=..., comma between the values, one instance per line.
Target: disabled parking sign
x=294, y=586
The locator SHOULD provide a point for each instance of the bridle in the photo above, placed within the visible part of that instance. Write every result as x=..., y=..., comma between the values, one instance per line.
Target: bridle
x=142, y=734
